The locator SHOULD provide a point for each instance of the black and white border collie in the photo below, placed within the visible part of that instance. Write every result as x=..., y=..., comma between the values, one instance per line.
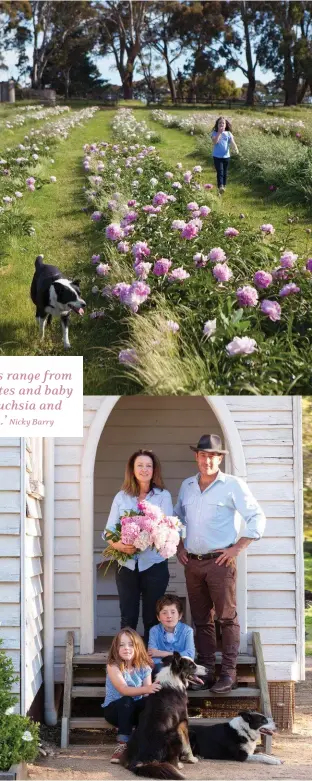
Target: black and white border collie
x=233, y=740
x=54, y=296
x=161, y=738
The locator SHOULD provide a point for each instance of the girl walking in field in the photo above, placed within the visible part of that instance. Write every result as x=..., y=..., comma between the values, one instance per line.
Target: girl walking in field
x=222, y=139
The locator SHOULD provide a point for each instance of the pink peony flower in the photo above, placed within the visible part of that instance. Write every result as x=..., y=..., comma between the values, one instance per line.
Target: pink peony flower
x=241, y=345
x=187, y=177
x=204, y=211
x=123, y=246
x=309, y=264
x=197, y=169
x=263, y=279
x=288, y=290
x=114, y=231
x=140, y=250
x=128, y=356
x=247, y=296
x=173, y=326
x=160, y=198
x=210, y=327
x=30, y=180
x=178, y=225
x=200, y=260
x=178, y=275
x=267, y=228
x=217, y=255
x=142, y=269
x=192, y=206
x=103, y=269
x=288, y=259
x=96, y=216
x=231, y=232
x=189, y=231
x=177, y=185
x=208, y=186
x=280, y=273
x=162, y=267
x=222, y=272
x=271, y=308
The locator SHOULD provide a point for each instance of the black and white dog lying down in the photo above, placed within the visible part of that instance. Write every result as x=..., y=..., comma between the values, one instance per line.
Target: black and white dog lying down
x=233, y=740
x=161, y=738
x=54, y=295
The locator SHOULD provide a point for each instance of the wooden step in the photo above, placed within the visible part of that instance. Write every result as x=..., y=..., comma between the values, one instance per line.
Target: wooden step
x=101, y=658
x=91, y=722
x=90, y=658
x=241, y=691
x=88, y=691
x=82, y=677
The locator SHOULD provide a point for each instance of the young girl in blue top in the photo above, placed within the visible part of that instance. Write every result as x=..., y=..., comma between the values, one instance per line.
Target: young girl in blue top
x=128, y=681
x=222, y=139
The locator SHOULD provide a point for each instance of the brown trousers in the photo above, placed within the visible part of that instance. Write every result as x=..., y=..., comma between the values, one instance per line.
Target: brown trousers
x=212, y=595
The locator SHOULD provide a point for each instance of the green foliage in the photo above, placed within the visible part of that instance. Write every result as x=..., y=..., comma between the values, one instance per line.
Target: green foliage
x=19, y=735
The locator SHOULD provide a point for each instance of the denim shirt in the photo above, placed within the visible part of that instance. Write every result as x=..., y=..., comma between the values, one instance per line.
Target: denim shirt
x=183, y=640
x=212, y=517
x=134, y=677
x=122, y=502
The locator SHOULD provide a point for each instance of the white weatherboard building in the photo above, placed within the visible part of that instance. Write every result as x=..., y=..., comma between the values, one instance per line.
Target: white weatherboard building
x=55, y=495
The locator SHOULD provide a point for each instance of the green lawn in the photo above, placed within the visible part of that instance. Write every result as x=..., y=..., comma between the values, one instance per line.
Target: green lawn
x=66, y=237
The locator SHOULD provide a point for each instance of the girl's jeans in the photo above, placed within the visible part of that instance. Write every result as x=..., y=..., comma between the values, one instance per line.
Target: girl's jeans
x=221, y=166
x=124, y=714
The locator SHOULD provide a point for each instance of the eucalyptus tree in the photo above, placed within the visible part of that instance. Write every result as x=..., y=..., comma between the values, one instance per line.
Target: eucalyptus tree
x=121, y=28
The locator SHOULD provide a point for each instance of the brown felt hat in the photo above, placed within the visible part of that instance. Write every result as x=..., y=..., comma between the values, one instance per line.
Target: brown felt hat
x=210, y=443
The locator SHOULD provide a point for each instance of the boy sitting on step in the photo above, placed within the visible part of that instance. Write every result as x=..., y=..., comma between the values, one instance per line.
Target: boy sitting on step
x=170, y=634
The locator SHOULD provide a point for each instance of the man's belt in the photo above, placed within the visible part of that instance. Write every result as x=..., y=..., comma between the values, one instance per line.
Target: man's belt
x=200, y=556
x=211, y=555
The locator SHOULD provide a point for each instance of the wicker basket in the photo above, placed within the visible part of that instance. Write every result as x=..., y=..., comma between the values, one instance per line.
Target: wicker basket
x=282, y=696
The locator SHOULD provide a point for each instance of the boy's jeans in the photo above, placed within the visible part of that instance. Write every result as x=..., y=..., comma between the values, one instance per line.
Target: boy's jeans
x=221, y=166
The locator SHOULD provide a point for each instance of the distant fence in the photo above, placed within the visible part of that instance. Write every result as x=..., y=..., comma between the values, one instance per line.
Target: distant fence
x=44, y=95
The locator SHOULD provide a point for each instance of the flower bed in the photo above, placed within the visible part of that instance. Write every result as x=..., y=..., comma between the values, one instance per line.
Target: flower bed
x=19, y=735
x=22, y=167
x=202, y=123
x=211, y=304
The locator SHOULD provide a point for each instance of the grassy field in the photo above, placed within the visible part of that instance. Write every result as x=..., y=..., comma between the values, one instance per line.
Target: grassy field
x=65, y=237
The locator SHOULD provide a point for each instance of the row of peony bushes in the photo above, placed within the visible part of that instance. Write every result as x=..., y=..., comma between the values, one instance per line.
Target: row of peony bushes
x=202, y=123
x=33, y=113
x=211, y=304
x=23, y=168
x=19, y=735
x=282, y=162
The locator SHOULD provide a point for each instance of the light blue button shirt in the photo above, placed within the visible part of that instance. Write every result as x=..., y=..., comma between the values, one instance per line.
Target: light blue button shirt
x=182, y=640
x=222, y=148
x=212, y=517
x=122, y=502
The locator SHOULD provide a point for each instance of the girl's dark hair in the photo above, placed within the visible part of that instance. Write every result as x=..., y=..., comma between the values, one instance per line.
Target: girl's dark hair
x=228, y=125
x=130, y=484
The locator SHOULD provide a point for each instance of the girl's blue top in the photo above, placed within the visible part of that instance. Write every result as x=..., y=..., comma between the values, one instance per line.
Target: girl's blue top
x=134, y=677
x=222, y=148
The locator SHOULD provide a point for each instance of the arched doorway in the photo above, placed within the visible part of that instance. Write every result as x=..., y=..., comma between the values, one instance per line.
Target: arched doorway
x=178, y=418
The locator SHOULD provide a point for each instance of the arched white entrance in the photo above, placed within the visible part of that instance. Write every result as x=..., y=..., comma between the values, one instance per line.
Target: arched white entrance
x=236, y=464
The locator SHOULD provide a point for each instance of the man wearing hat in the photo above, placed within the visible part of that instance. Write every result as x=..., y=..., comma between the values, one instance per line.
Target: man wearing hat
x=209, y=505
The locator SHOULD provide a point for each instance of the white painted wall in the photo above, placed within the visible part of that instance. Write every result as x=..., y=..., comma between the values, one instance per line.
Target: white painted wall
x=10, y=526
x=33, y=589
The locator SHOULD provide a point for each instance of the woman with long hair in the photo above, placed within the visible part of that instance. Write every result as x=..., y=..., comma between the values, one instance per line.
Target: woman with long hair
x=146, y=573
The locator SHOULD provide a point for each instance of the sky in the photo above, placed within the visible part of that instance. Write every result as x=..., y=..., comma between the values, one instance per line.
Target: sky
x=108, y=71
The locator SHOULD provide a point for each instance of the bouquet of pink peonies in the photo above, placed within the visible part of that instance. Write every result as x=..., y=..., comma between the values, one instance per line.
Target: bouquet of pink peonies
x=147, y=528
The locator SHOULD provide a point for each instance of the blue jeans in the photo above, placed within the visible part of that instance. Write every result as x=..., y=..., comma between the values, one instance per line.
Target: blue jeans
x=151, y=584
x=221, y=166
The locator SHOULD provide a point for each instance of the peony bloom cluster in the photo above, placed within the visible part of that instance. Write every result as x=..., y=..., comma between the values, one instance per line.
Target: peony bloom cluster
x=132, y=295
x=178, y=275
x=222, y=272
x=247, y=296
x=231, y=232
x=267, y=228
x=162, y=267
x=114, y=231
x=149, y=527
x=241, y=345
x=217, y=255
x=263, y=279
x=271, y=308
x=288, y=259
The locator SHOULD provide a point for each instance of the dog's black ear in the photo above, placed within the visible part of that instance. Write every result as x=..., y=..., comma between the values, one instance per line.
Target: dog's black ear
x=176, y=655
x=245, y=714
x=76, y=282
